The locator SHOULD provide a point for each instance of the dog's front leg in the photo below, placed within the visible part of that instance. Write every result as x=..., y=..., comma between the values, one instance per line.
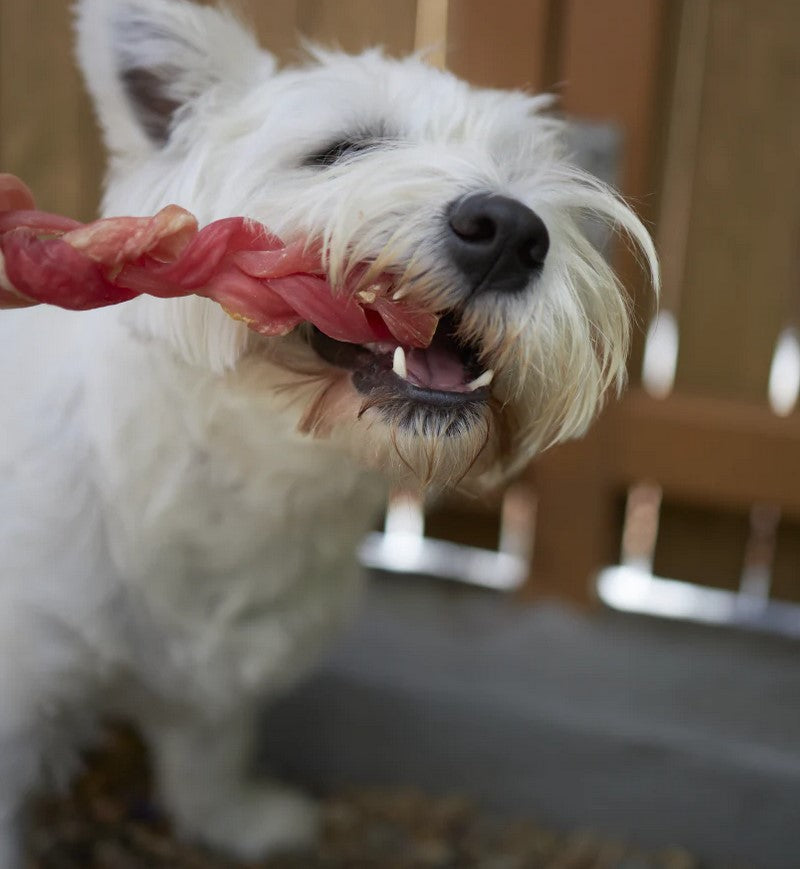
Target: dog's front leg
x=201, y=774
x=29, y=715
x=44, y=707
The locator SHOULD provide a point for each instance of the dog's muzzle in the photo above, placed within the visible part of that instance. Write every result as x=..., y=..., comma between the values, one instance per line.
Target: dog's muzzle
x=496, y=242
x=499, y=246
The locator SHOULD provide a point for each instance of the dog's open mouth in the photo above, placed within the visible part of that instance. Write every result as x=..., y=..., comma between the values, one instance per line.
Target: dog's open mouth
x=447, y=373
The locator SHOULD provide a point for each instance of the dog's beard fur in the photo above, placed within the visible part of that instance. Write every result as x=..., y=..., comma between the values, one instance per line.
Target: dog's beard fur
x=362, y=156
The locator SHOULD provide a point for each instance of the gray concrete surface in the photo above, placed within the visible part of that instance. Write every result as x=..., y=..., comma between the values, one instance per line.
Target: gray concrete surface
x=660, y=733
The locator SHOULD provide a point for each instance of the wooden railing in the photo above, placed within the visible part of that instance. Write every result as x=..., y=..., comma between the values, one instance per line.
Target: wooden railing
x=715, y=453
x=727, y=229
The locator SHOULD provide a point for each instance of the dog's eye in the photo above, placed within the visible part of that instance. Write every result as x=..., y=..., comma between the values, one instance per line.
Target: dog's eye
x=343, y=148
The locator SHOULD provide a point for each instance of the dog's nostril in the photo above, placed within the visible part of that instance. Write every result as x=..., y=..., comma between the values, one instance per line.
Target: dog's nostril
x=472, y=228
x=533, y=250
x=497, y=242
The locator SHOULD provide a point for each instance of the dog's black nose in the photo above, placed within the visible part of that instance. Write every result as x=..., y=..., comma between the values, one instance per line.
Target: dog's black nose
x=498, y=243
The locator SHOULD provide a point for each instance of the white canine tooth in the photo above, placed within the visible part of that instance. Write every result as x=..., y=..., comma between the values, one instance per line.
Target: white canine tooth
x=366, y=296
x=399, y=294
x=399, y=363
x=484, y=380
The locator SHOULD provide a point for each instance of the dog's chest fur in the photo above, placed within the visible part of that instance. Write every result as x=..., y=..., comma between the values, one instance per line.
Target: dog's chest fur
x=223, y=543
x=244, y=536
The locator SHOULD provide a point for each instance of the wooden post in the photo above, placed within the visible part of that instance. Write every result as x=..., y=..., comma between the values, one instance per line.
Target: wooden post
x=49, y=137
x=430, y=33
x=577, y=518
x=508, y=50
x=611, y=65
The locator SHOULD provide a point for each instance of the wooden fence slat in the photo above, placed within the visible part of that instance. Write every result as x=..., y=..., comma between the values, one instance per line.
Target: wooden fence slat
x=732, y=247
x=786, y=569
x=680, y=152
x=742, y=251
x=578, y=519
x=357, y=24
x=508, y=50
x=276, y=25
x=430, y=32
x=612, y=68
x=48, y=133
x=613, y=64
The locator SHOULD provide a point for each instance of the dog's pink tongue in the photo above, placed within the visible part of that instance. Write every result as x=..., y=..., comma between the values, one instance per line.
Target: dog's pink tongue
x=253, y=275
x=436, y=368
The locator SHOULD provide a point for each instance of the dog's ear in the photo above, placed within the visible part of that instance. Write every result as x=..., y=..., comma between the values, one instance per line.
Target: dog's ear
x=148, y=62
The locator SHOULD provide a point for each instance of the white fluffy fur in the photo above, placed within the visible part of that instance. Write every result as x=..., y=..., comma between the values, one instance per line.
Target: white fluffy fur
x=180, y=502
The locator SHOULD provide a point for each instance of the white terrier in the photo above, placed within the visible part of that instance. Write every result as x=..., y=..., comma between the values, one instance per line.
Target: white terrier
x=182, y=499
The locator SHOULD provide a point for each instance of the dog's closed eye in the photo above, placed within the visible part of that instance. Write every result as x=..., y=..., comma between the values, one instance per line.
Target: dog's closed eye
x=347, y=147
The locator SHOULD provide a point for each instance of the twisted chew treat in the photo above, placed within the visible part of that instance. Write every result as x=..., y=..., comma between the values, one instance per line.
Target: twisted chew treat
x=238, y=263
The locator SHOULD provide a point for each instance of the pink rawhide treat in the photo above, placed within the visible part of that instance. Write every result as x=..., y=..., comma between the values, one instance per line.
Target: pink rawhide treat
x=257, y=278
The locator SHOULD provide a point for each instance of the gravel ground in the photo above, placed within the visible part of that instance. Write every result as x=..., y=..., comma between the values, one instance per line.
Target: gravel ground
x=109, y=822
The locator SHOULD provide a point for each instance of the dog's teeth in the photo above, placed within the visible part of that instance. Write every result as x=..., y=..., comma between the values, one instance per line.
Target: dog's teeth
x=399, y=363
x=484, y=380
x=399, y=294
x=366, y=296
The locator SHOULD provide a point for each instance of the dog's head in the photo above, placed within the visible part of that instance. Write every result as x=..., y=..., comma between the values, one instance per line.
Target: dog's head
x=460, y=198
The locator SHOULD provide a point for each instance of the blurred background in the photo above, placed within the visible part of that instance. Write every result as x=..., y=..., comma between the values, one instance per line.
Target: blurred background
x=683, y=503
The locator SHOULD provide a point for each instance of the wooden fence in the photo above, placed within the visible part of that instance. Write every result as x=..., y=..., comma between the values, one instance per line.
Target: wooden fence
x=721, y=150
x=705, y=94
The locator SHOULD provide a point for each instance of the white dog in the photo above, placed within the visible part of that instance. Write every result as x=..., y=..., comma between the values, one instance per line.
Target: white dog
x=181, y=500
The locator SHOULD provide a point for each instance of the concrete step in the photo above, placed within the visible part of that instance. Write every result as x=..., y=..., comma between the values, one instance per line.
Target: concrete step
x=659, y=733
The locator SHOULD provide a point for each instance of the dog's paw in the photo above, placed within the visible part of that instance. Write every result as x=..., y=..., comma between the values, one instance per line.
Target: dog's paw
x=261, y=820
